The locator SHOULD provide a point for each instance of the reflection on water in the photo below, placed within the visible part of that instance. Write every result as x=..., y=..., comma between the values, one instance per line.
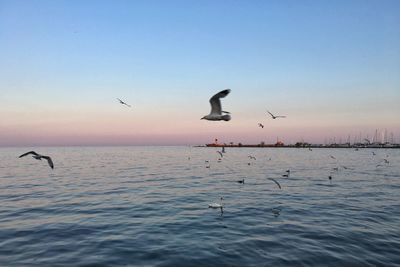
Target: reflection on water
x=149, y=206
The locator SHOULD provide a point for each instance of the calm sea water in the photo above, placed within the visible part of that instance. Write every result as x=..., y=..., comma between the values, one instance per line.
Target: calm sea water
x=148, y=206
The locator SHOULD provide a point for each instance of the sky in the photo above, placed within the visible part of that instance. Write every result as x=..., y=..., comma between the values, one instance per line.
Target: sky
x=332, y=67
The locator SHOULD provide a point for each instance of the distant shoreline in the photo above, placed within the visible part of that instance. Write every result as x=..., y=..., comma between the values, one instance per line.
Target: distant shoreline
x=391, y=146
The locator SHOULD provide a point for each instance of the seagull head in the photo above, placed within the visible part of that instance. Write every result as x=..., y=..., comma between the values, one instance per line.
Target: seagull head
x=226, y=117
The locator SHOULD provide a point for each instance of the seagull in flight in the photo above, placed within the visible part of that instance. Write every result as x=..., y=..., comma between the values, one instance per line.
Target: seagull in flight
x=39, y=157
x=123, y=103
x=274, y=117
x=261, y=125
x=216, y=109
x=275, y=181
x=220, y=153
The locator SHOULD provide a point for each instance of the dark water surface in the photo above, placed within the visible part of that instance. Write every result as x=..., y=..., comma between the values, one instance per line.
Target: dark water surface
x=148, y=206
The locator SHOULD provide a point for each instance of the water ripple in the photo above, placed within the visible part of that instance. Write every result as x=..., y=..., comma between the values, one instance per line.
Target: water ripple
x=148, y=206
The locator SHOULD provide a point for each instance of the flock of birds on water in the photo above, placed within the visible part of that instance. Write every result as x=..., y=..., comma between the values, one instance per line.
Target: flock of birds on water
x=216, y=114
x=286, y=174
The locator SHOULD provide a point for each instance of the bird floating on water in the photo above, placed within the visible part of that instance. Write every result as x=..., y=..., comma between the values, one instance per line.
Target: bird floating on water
x=276, y=211
x=39, y=157
x=275, y=117
x=123, y=103
x=332, y=157
x=241, y=181
x=217, y=205
x=216, y=109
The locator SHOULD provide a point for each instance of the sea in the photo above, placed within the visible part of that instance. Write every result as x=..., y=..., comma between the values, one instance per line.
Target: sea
x=149, y=206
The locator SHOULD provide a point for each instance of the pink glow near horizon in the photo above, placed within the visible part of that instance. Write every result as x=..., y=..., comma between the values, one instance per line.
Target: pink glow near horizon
x=113, y=131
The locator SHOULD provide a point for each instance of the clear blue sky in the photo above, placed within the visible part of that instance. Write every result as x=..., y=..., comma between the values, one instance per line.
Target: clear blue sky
x=332, y=66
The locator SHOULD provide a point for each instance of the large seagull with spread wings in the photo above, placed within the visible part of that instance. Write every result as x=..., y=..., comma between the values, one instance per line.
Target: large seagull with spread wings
x=216, y=113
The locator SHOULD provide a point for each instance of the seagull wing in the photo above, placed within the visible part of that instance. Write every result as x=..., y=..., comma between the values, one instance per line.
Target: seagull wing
x=280, y=116
x=272, y=115
x=272, y=179
x=30, y=152
x=49, y=161
x=216, y=102
x=123, y=103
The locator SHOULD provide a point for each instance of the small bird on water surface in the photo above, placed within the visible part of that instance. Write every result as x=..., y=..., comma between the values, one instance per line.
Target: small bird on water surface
x=217, y=205
x=123, y=103
x=39, y=157
x=241, y=181
x=276, y=211
x=216, y=109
